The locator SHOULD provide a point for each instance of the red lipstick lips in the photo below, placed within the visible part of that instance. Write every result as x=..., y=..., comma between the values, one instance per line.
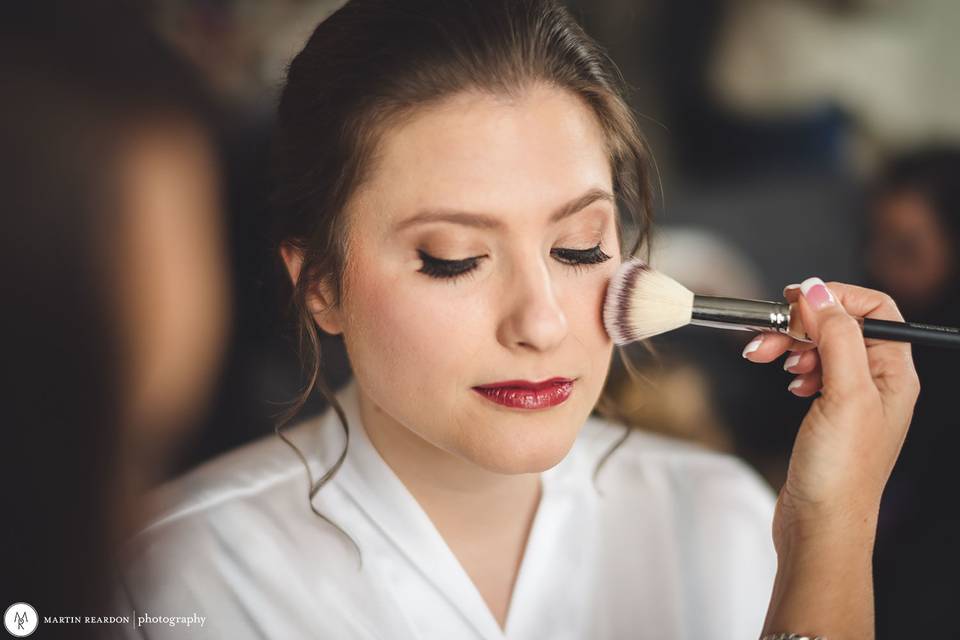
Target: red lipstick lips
x=523, y=394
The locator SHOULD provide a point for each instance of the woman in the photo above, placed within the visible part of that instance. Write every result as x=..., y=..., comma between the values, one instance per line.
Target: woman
x=448, y=173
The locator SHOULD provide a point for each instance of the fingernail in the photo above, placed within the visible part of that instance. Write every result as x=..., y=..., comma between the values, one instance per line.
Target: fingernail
x=792, y=361
x=816, y=293
x=752, y=346
x=789, y=287
x=796, y=383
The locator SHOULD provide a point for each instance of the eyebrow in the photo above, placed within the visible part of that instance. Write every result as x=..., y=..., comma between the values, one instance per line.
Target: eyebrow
x=483, y=221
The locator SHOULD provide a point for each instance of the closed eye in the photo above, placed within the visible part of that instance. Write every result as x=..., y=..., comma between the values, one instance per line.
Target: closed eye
x=452, y=269
x=592, y=255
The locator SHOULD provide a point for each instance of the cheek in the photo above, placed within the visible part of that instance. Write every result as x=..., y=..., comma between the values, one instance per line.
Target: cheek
x=589, y=347
x=410, y=334
x=583, y=301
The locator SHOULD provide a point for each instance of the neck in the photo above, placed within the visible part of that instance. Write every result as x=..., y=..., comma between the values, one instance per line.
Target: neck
x=457, y=494
x=485, y=517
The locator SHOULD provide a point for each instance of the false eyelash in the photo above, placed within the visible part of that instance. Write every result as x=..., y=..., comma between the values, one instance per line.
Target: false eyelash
x=446, y=269
x=453, y=269
x=584, y=256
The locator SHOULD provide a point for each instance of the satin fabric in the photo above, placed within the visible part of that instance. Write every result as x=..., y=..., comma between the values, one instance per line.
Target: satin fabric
x=673, y=541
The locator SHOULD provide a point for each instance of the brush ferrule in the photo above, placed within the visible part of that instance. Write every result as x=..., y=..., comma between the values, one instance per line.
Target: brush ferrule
x=746, y=315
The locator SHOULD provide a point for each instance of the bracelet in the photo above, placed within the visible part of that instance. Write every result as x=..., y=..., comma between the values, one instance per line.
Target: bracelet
x=790, y=636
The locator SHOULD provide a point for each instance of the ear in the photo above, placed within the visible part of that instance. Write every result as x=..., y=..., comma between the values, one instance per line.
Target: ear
x=318, y=298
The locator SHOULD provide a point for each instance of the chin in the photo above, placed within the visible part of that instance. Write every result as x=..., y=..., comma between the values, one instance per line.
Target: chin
x=515, y=453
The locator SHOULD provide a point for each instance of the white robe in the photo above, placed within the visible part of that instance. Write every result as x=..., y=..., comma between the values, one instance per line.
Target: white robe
x=676, y=544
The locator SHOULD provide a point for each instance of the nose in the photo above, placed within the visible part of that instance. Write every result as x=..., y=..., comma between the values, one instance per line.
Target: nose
x=533, y=318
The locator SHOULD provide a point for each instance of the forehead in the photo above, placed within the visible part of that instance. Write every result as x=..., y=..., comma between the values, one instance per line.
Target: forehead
x=482, y=152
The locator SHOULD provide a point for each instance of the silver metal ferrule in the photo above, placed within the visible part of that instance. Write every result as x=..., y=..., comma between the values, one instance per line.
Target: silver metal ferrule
x=747, y=315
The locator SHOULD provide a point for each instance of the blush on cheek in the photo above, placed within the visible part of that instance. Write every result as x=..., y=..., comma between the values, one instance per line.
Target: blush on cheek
x=584, y=308
x=398, y=325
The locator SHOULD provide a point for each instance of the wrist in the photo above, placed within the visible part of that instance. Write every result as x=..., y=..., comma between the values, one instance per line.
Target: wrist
x=824, y=583
x=804, y=537
x=795, y=528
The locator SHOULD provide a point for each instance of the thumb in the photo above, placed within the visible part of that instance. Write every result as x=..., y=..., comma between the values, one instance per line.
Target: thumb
x=839, y=339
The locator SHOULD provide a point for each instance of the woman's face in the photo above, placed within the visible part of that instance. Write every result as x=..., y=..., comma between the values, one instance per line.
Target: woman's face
x=522, y=192
x=909, y=251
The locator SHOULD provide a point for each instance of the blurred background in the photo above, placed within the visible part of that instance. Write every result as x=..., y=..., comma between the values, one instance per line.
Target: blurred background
x=792, y=138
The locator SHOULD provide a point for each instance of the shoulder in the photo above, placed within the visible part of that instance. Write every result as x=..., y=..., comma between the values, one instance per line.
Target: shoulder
x=242, y=476
x=241, y=498
x=224, y=520
x=684, y=472
x=685, y=516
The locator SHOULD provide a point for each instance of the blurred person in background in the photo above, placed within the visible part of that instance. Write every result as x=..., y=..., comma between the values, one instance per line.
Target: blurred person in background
x=913, y=226
x=240, y=49
x=913, y=253
x=115, y=302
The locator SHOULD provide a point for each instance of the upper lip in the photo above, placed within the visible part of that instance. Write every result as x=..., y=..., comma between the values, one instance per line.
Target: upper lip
x=525, y=384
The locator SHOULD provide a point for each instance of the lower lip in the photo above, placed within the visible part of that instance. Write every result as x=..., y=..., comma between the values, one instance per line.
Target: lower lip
x=517, y=398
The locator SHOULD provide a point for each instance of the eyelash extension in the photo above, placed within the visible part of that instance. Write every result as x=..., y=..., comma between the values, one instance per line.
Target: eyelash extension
x=583, y=256
x=446, y=269
x=452, y=269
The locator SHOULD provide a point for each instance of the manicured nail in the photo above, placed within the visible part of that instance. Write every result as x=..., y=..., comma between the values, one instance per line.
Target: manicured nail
x=796, y=383
x=789, y=287
x=752, y=346
x=816, y=293
x=792, y=361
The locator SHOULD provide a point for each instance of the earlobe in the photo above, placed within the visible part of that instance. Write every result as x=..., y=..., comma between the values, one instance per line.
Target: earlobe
x=324, y=314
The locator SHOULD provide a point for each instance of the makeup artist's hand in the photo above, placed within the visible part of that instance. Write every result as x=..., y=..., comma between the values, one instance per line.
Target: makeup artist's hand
x=853, y=432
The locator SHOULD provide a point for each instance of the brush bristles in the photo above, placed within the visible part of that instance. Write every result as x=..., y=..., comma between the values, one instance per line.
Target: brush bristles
x=642, y=302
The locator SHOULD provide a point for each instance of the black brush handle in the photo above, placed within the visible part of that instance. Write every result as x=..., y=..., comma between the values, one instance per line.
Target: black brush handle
x=915, y=332
x=765, y=315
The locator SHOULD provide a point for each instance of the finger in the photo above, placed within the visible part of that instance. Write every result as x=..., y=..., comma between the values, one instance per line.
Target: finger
x=843, y=354
x=791, y=291
x=890, y=362
x=807, y=384
x=767, y=346
x=799, y=362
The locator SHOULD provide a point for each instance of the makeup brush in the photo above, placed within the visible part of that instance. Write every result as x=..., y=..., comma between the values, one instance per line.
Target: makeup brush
x=641, y=302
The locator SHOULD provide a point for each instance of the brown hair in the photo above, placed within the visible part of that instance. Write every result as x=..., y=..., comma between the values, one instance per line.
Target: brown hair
x=373, y=63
